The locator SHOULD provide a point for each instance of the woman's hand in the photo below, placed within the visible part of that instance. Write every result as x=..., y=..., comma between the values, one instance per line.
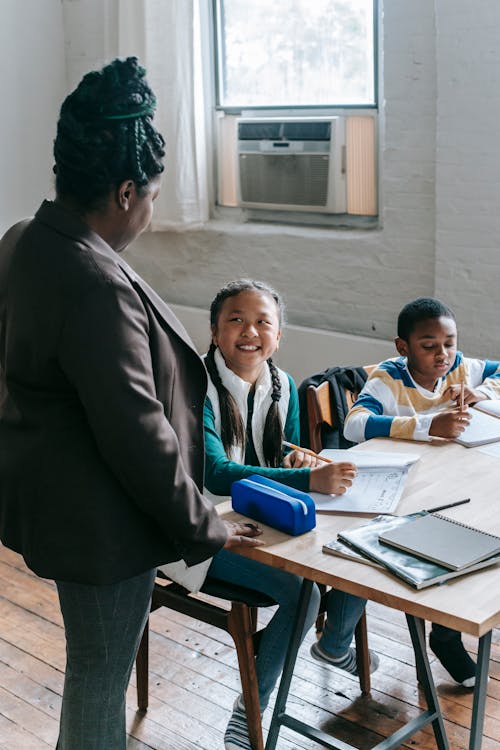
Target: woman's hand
x=300, y=460
x=241, y=534
x=452, y=393
x=449, y=423
x=332, y=479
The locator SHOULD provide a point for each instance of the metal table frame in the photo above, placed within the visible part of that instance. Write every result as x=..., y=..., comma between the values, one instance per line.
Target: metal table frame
x=432, y=715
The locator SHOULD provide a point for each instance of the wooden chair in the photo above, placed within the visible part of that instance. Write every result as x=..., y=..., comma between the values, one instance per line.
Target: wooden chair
x=239, y=620
x=319, y=412
x=319, y=409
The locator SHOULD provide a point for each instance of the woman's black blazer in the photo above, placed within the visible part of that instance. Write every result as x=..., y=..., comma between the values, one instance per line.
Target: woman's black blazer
x=101, y=404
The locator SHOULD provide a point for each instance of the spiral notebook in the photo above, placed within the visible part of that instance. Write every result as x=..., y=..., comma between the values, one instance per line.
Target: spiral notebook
x=444, y=541
x=415, y=571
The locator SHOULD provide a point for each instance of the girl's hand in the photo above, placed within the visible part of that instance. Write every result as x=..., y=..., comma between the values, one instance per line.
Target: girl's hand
x=300, y=460
x=241, y=534
x=452, y=393
x=449, y=424
x=332, y=479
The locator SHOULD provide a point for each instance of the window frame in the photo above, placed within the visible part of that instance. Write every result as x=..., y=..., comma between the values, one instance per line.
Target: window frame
x=232, y=211
x=293, y=109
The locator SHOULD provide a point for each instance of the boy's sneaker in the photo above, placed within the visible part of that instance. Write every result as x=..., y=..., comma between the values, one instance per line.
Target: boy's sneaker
x=347, y=662
x=455, y=660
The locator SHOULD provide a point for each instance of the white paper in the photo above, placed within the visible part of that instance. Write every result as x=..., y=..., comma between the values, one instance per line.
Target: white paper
x=372, y=459
x=373, y=491
x=192, y=578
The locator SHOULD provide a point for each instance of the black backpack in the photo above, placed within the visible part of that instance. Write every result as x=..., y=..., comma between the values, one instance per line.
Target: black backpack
x=340, y=380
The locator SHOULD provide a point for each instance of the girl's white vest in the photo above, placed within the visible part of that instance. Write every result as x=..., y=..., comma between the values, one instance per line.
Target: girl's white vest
x=239, y=389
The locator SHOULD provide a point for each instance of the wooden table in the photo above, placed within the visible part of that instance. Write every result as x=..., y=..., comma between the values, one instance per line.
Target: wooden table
x=471, y=603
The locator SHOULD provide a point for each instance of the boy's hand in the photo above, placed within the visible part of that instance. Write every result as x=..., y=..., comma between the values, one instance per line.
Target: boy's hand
x=332, y=479
x=242, y=534
x=452, y=393
x=300, y=460
x=449, y=424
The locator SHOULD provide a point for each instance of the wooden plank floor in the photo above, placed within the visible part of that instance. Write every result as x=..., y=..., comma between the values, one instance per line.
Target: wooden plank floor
x=194, y=681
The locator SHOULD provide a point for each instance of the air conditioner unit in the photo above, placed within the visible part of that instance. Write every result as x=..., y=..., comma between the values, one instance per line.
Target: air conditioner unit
x=292, y=164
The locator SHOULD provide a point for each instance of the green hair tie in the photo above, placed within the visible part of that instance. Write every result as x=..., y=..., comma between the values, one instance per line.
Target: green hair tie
x=147, y=111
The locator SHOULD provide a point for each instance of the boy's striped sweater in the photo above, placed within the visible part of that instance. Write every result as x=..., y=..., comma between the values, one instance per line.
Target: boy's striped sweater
x=392, y=405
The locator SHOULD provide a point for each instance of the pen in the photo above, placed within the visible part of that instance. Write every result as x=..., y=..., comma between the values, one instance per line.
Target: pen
x=309, y=452
x=448, y=505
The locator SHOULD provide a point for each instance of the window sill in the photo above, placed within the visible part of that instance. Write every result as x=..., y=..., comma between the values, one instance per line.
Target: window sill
x=290, y=221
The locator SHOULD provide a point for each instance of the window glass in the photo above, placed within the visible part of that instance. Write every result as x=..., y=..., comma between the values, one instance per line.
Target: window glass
x=295, y=53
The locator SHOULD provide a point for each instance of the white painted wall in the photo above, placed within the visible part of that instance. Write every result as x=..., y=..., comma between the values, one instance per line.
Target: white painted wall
x=440, y=77
x=33, y=83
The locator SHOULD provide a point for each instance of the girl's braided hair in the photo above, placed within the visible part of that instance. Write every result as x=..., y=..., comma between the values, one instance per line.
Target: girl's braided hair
x=105, y=135
x=232, y=427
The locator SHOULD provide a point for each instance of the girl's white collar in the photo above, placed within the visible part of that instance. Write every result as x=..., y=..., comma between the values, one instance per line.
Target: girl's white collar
x=233, y=382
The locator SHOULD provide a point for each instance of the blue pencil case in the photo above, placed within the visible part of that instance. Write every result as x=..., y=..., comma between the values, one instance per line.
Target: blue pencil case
x=274, y=503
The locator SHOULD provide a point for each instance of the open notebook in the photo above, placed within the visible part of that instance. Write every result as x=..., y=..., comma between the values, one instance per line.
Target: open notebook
x=490, y=406
x=372, y=459
x=377, y=487
x=483, y=428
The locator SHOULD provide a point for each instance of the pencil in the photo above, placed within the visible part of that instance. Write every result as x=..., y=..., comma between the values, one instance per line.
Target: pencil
x=308, y=451
x=448, y=505
x=462, y=396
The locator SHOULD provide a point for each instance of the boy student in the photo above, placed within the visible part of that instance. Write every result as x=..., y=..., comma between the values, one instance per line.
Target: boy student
x=417, y=397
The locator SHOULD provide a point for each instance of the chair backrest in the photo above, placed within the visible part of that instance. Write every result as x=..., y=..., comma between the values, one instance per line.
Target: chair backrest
x=320, y=411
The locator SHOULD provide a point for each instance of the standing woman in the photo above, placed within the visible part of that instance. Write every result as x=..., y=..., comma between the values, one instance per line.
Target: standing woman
x=101, y=402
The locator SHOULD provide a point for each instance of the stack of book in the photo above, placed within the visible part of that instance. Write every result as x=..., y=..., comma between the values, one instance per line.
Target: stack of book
x=420, y=548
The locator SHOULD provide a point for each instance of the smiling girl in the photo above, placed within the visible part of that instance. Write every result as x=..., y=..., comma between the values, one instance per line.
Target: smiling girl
x=251, y=407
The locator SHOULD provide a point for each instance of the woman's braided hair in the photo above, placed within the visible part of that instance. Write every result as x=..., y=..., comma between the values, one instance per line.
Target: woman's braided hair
x=105, y=135
x=232, y=427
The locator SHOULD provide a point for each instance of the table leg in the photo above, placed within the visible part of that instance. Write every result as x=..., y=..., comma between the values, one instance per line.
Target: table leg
x=432, y=715
x=291, y=657
x=479, y=702
x=416, y=627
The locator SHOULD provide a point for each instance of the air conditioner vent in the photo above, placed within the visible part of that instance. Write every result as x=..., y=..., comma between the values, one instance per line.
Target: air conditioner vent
x=256, y=131
x=287, y=179
x=292, y=164
x=307, y=131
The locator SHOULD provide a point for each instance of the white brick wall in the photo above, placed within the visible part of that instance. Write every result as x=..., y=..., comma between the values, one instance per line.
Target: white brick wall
x=468, y=169
x=32, y=84
x=349, y=281
x=440, y=193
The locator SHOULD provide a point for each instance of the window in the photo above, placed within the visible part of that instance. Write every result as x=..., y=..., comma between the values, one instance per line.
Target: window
x=295, y=53
x=284, y=71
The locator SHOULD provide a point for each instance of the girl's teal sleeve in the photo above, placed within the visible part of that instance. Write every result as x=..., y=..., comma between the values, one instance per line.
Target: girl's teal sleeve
x=220, y=471
x=292, y=424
